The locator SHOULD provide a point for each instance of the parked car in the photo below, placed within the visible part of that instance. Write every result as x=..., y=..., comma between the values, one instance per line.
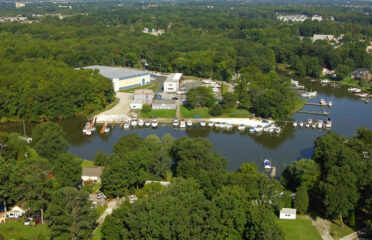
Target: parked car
x=175, y=98
x=28, y=222
x=158, y=97
x=99, y=195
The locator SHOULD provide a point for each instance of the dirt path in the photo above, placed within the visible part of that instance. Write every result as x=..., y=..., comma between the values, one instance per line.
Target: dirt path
x=119, y=112
x=111, y=206
x=323, y=226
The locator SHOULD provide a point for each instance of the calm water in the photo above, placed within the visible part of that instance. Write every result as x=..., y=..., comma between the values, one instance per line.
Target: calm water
x=348, y=113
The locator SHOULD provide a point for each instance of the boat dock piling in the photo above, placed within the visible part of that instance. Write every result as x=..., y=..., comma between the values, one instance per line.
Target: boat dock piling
x=103, y=128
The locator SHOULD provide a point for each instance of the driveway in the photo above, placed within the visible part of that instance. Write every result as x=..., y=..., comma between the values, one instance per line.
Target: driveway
x=119, y=112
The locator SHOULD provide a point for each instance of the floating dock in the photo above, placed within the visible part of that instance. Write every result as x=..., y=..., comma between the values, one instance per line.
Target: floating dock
x=316, y=104
x=315, y=113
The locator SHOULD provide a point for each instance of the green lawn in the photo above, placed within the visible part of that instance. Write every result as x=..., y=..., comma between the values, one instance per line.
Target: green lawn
x=298, y=229
x=101, y=209
x=203, y=112
x=87, y=163
x=354, y=83
x=97, y=234
x=160, y=113
x=14, y=229
x=237, y=113
x=337, y=232
x=298, y=105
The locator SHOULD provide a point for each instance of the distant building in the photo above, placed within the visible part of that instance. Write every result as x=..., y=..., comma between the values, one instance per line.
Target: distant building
x=164, y=104
x=91, y=174
x=288, y=213
x=172, y=83
x=15, y=212
x=153, y=31
x=324, y=37
x=123, y=78
x=369, y=49
x=316, y=17
x=362, y=73
x=19, y=4
x=163, y=183
x=144, y=95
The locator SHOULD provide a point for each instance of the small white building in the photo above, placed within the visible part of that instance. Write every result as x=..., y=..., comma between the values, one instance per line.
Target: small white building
x=15, y=212
x=288, y=213
x=136, y=104
x=91, y=174
x=172, y=83
x=163, y=183
x=317, y=17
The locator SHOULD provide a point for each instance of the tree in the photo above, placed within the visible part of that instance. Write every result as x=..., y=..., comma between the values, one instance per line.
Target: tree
x=70, y=215
x=146, y=108
x=49, y=140
x=101, y=159
x=342, y=71
x=229, y=101
x=67, y=170
x=216, y=110
x=200, y=96
x=301, y=202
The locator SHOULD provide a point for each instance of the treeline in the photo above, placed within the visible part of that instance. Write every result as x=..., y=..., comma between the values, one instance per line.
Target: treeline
x=337, y=182
x=39, y=89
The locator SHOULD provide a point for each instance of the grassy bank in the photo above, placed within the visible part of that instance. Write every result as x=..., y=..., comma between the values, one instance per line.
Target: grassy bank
x=337, y=232
x=87, y=163
x=298, y=105
x=14, y=229
x=203, y=112
x=237, y=113
x=163, y=113
x=298, y=229
x=354, y=83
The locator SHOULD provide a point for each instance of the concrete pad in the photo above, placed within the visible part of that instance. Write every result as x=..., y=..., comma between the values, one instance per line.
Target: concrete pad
x=119, y=112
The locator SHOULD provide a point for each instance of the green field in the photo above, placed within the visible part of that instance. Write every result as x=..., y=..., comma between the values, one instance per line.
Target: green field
x=337, y=232
x=87, y=163
x=299, y=229
x=163, y=113
x=298, y=105
x=14, y=229
x=203, y=112
x=237, y=113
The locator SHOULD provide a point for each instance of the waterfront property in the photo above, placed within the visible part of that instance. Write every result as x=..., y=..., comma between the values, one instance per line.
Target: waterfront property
x=91, y=174
x=287, y=213
x=172, y=83
x=140, y=97
x=123, y=78
x=164, y=104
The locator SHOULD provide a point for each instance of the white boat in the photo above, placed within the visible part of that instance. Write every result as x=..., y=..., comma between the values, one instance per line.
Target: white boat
x=147, y=123
x=182, y=123
x=241, y=127
x=154, y=123
x=267, y=164
x=107, y=129
x=251, y=129
x=189, y=123
x=266, y=129
x=357, y=90
x=140, y=122
x=328, y=123
x=309, y=94
x=259, y=128
x=126, y=124
x=325, y=81
x=85, y=129
x=229, y=126
x=352, y=89
x=323, y=102
x=310, y=121
x=217, y=124
x=362, y=95
x=314, y=124
x=210, y=124
x=330, y=104
x=301, y=124
x=202, y=123
x=175, y=122
x=134, y=122
x=88, y=133
x=272, y=129
x=294, y=124
x=278, y=130
x=320, y=124
x=293, y=82
x=223, y=125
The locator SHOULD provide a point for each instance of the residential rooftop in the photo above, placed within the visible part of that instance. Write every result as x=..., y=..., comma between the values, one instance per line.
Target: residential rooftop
x=95, y=171
x=174, y=77
x=117, y=72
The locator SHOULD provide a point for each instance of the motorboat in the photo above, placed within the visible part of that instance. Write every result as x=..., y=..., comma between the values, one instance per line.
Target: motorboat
x=251, y=129
x=134, y=122
x=325, y=81
x=154, y=123
x=140, y=122
x=278, y=130
x=330, y=104
x=217, y=124
x=328, y=123
x=223, y=125
x=229, y=126
x=307, y=125
x=175, y=122
x=107, y=129
x=310, y=121
x=293, y=82
x=93, y=129
x=85, y=129
x=301, y=124
x=182, y=123
x=147, y=123
x=126, y=124
x=259, y=128
x=189, y=123
x=202, y=123
x=267, y=164
x=210, y=124
x=88, y=133
x=323, y=102
x=357, y=90
x=362, y=95
x=294, y=124
x=320, y=124
x=266, y=129
x=309, y=94
x=352, y=89
x=314, y=124
x=241, y=127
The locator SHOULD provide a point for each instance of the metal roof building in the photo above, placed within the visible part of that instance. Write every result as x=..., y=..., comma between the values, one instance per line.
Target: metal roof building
x=123, y=78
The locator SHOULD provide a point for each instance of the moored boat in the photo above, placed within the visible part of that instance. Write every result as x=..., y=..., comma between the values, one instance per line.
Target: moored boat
x=322, y=102
x=295, y=124
x=223, y=125
x=307, y=125
x=147, y=123
x=229, y=126
x=267, y=164
x=202, y=123
x=241, y=127
x=189, y=123
x=278, y=130
x=126, y=124
x=175, y=122
x=328, y=123
x=210, y=124
x=320, y=124
x=251, y=129
x=182, y=123
x=140, y=122
x=154, y=123
x=266, y=129
x=88, y=133
x=301, y=124
x=107, y=129
x=134, y=122
x=259, y=128
x=330, y=104
x=217, y=124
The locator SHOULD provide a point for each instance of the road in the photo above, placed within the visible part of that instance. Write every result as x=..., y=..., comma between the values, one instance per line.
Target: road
x=119, y=112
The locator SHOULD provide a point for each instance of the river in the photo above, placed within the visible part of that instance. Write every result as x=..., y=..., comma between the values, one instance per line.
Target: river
x=348, y=113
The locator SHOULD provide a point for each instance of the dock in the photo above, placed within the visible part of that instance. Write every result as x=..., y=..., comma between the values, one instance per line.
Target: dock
x=316, y=104
x=315, y=113
x=103, y=128
x=273, y=172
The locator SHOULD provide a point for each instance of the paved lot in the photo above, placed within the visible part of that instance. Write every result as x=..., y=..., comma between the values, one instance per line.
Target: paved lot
x=188, y=84
x=119, y=113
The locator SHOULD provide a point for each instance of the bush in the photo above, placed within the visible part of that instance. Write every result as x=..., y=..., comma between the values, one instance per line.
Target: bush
x=216, y=110
x=146, y=108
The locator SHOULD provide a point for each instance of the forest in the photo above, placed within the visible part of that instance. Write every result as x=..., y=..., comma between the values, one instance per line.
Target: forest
x=198, y=41
x=212, y=202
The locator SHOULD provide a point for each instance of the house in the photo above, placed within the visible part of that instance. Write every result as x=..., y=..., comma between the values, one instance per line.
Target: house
x=164, y=104
x=326, y=71
x=288, y=213
x=91, y=174
x=172, y=83
x=316, y=17
x=123, y=78
x=163, y=183
x=324, y=37
x=15, y=212
x=362, y=73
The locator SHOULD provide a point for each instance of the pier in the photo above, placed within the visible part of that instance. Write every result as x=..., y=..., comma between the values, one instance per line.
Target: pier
x=103, y=128
x=316, y=104
x=315, y=113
